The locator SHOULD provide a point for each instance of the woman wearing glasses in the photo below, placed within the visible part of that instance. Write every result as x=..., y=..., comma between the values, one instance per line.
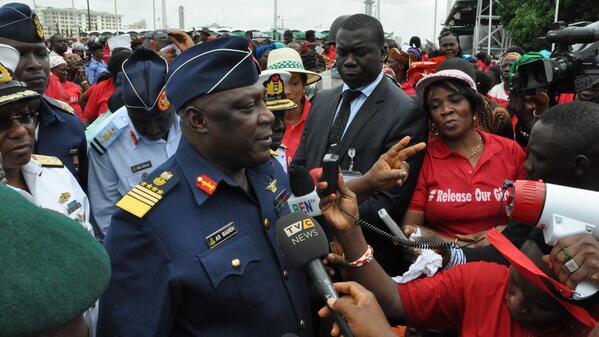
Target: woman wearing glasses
x=43, y=180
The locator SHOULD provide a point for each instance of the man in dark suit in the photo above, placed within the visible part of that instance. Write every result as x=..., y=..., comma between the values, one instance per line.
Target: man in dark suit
x=362, y=119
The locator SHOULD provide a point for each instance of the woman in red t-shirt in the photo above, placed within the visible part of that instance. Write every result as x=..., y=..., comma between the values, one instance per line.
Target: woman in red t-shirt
x=66, y=90
x=459, y=191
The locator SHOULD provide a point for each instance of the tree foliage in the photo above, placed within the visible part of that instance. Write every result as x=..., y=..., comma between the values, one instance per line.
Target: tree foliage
x=526, y=20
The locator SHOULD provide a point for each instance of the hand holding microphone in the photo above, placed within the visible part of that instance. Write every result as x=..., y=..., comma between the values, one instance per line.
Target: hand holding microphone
x=361, y=310
x=304, y=244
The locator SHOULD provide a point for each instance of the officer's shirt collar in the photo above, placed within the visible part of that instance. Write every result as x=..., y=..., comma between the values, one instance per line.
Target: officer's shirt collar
x=137, y=138
x=194, y=165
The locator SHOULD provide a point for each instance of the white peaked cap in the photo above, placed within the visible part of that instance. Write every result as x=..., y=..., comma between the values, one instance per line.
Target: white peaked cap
x=9, y=57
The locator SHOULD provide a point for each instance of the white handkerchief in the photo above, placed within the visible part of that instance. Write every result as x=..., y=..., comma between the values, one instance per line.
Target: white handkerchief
x=428, y=262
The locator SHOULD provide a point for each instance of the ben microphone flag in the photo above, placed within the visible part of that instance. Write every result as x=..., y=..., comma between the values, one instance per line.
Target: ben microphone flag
x=304, y=199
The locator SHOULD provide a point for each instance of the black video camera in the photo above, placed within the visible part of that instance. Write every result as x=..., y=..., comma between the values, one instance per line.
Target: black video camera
x=572, y=68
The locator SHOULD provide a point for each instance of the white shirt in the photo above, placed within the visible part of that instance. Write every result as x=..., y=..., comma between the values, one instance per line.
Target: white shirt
x=498, y=91
x=357, y=103
x=280, y=157
x=125, y=163
x=57, y=189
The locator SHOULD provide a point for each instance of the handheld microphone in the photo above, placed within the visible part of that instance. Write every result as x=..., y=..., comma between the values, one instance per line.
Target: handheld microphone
x=304, y=198
x=392, y=225
x=304, y=243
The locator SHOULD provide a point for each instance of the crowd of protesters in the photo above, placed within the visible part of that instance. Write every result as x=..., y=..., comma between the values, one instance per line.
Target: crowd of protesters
x=166, y=159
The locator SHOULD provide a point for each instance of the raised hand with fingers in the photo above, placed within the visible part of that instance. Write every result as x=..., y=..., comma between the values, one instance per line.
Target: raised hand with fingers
x=181, y=39
x=391, y=168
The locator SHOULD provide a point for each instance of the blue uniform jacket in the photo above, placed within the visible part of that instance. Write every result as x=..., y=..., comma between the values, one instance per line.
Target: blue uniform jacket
x=202, y=264
x=61, y=134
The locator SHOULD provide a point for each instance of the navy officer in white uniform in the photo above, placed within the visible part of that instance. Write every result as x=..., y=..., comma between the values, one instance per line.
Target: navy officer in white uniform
x=134, y=140
x=192, y=247
x=43, y=180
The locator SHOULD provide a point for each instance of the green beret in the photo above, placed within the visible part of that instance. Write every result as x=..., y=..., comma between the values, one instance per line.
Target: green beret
x=52, y=269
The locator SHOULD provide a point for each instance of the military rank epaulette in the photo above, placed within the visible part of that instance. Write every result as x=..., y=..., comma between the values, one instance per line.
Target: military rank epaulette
x=107, y=136
x=60, y=104
x=145, y=195
x=47, y=161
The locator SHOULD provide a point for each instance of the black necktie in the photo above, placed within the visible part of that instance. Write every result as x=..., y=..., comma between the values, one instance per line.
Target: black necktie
x=336, y=131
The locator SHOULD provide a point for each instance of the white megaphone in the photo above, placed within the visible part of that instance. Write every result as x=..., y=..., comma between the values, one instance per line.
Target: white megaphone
x=560, y=212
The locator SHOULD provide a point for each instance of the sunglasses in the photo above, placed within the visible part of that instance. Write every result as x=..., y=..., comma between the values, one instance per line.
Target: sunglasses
x=25, y=119
x=158, y=34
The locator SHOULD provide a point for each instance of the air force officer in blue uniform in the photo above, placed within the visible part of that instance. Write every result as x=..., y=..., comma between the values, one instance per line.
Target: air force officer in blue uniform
x=192, y=247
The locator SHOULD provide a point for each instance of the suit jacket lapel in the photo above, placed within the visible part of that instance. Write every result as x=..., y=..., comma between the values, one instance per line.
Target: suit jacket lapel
x=366, y=112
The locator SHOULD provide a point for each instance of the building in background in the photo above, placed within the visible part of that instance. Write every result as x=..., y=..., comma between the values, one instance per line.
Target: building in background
x=141, y=24
x=181, y=17
x=70, y=22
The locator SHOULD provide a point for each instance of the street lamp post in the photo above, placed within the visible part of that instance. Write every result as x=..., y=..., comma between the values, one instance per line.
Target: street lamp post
x=274, y=30
x=89, y=18
x=490, y=27
x=154, y=14
x=116, y=17
x=435, y=22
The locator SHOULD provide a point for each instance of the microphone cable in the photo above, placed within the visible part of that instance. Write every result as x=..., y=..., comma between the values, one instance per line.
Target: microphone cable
x=397, y=241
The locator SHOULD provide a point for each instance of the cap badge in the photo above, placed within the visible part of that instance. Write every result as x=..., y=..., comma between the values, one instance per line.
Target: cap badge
x=163, y=102
x=274, y=86
x=37, y=25
x=4, y=74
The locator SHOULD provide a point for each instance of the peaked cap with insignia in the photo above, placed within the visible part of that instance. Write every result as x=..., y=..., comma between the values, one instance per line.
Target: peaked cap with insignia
x=274, y=84
x=11, y=90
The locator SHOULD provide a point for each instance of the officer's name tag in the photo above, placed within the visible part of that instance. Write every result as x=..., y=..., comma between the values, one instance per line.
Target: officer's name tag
x=73, y=206
x=142, y=166
x=221, y=235
x=281, y=199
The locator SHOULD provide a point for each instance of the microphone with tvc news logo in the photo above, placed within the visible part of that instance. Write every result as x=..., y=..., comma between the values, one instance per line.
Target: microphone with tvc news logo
x=304, y=243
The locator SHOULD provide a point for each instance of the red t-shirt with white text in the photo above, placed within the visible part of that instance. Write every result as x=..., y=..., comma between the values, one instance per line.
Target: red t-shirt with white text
x=459, y=199
x=471, y=299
